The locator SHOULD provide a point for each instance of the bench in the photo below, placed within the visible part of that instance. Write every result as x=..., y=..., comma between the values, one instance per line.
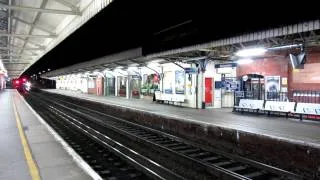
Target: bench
x=307, y=109
x=250, y=104
x=280, y=107
x=170, y=98
x=178, y=98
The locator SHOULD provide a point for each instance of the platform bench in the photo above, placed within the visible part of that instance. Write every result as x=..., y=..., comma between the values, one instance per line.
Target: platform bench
x=169, y=98
x=250, y=104
x=279, y=107
x=307, y=109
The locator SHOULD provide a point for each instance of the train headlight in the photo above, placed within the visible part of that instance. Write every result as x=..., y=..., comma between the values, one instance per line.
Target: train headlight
x=28, y=86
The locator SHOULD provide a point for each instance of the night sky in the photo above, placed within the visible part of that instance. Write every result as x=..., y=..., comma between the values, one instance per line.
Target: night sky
x=126, y=24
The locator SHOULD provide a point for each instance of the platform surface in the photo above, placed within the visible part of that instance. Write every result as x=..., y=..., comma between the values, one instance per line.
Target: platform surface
x=289, y=129
x=50, y=158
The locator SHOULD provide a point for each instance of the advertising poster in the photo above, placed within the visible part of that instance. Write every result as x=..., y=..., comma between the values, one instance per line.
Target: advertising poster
x=272, y=86
x=180, y=82
x=168, y=81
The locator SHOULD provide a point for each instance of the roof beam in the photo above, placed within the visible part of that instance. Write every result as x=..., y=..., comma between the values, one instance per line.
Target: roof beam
x=17, y=61
x=18, y=55
x=21, y=68
x=27, y=53
x=13, y=63
x=36, y=19
x=34, y=25
x=14, y=71
x=69, y=5
x=27, y=35
x=9, y=26
x=42, y=10
x=13, y=75
x=30, y=42
x=18, y=48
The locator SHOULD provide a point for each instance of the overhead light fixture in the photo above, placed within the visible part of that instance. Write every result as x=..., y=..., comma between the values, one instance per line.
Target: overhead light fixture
x=2, y=66
x=251, y=52
x=286, y=47
x=119, y=67
x=153, y=64
x=244, y=61
x=133, y=65
x=132, y=68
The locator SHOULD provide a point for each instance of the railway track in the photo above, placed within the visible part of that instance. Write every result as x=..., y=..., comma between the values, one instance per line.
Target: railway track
x=184, y=159
x=108, y=160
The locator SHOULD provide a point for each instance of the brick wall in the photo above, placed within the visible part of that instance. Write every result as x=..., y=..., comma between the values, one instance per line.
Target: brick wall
x=266, y=67
x=307, y=78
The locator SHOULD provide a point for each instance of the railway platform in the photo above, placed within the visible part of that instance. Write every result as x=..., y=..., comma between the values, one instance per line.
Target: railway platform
x=30, y=149
x=306, y=132
x=267, y=139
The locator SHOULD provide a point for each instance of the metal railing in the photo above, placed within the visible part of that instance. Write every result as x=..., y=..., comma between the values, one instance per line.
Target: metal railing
x=305, y=96
x=294, y=96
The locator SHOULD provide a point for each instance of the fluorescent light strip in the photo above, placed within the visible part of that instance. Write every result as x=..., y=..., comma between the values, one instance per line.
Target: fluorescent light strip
x=251, y=52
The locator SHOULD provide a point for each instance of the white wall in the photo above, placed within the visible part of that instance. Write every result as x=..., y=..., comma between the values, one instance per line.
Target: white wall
x=2, y=82
x=190, y=86
x=84, y=85
x=220, y=98
x=227, y=98
x=72, y=82
x=209, y=73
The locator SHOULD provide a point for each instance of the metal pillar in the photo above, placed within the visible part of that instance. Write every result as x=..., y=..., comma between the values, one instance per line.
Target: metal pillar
x=202, y=66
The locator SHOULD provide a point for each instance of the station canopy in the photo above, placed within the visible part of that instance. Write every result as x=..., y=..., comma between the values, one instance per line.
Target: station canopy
x=31, y=28
x=278, y=43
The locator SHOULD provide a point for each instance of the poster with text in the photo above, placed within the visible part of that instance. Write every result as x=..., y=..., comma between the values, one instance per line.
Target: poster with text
x=180, y=82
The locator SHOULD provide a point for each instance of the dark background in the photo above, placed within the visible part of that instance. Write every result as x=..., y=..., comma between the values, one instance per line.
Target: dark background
x=150, y=24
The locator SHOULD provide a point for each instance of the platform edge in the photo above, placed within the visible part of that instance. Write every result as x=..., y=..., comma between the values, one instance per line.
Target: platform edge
x=290, y=140
x=76, y=158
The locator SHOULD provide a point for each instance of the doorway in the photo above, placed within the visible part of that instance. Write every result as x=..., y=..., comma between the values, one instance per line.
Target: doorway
x=110, y=86
x=253, y=86
x=208, y=91
x=100, y=88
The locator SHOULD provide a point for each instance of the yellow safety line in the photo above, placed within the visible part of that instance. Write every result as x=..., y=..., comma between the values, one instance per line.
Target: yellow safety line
x=33, y=169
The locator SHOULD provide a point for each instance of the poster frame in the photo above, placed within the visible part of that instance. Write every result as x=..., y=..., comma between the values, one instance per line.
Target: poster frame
x=266, y=78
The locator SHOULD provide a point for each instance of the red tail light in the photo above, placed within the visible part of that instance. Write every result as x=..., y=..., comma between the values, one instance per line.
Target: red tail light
x=17, y=81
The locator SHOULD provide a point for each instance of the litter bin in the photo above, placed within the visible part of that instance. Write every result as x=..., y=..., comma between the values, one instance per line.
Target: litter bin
x=203, y=105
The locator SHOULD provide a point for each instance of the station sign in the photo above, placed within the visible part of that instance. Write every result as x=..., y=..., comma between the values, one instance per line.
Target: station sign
x=226, y=65
x=191, y=70
x=135, y=76
x=239, y=93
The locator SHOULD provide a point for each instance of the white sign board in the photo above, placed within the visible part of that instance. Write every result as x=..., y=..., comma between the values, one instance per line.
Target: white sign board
x=308, y=108
x=251, y=104
x=279, y=106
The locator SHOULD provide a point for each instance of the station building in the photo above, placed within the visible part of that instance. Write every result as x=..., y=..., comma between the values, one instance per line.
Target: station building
x=276, y=64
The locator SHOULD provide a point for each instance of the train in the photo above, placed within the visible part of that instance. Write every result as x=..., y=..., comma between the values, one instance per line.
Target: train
x=26, y=84
x=22, y=84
